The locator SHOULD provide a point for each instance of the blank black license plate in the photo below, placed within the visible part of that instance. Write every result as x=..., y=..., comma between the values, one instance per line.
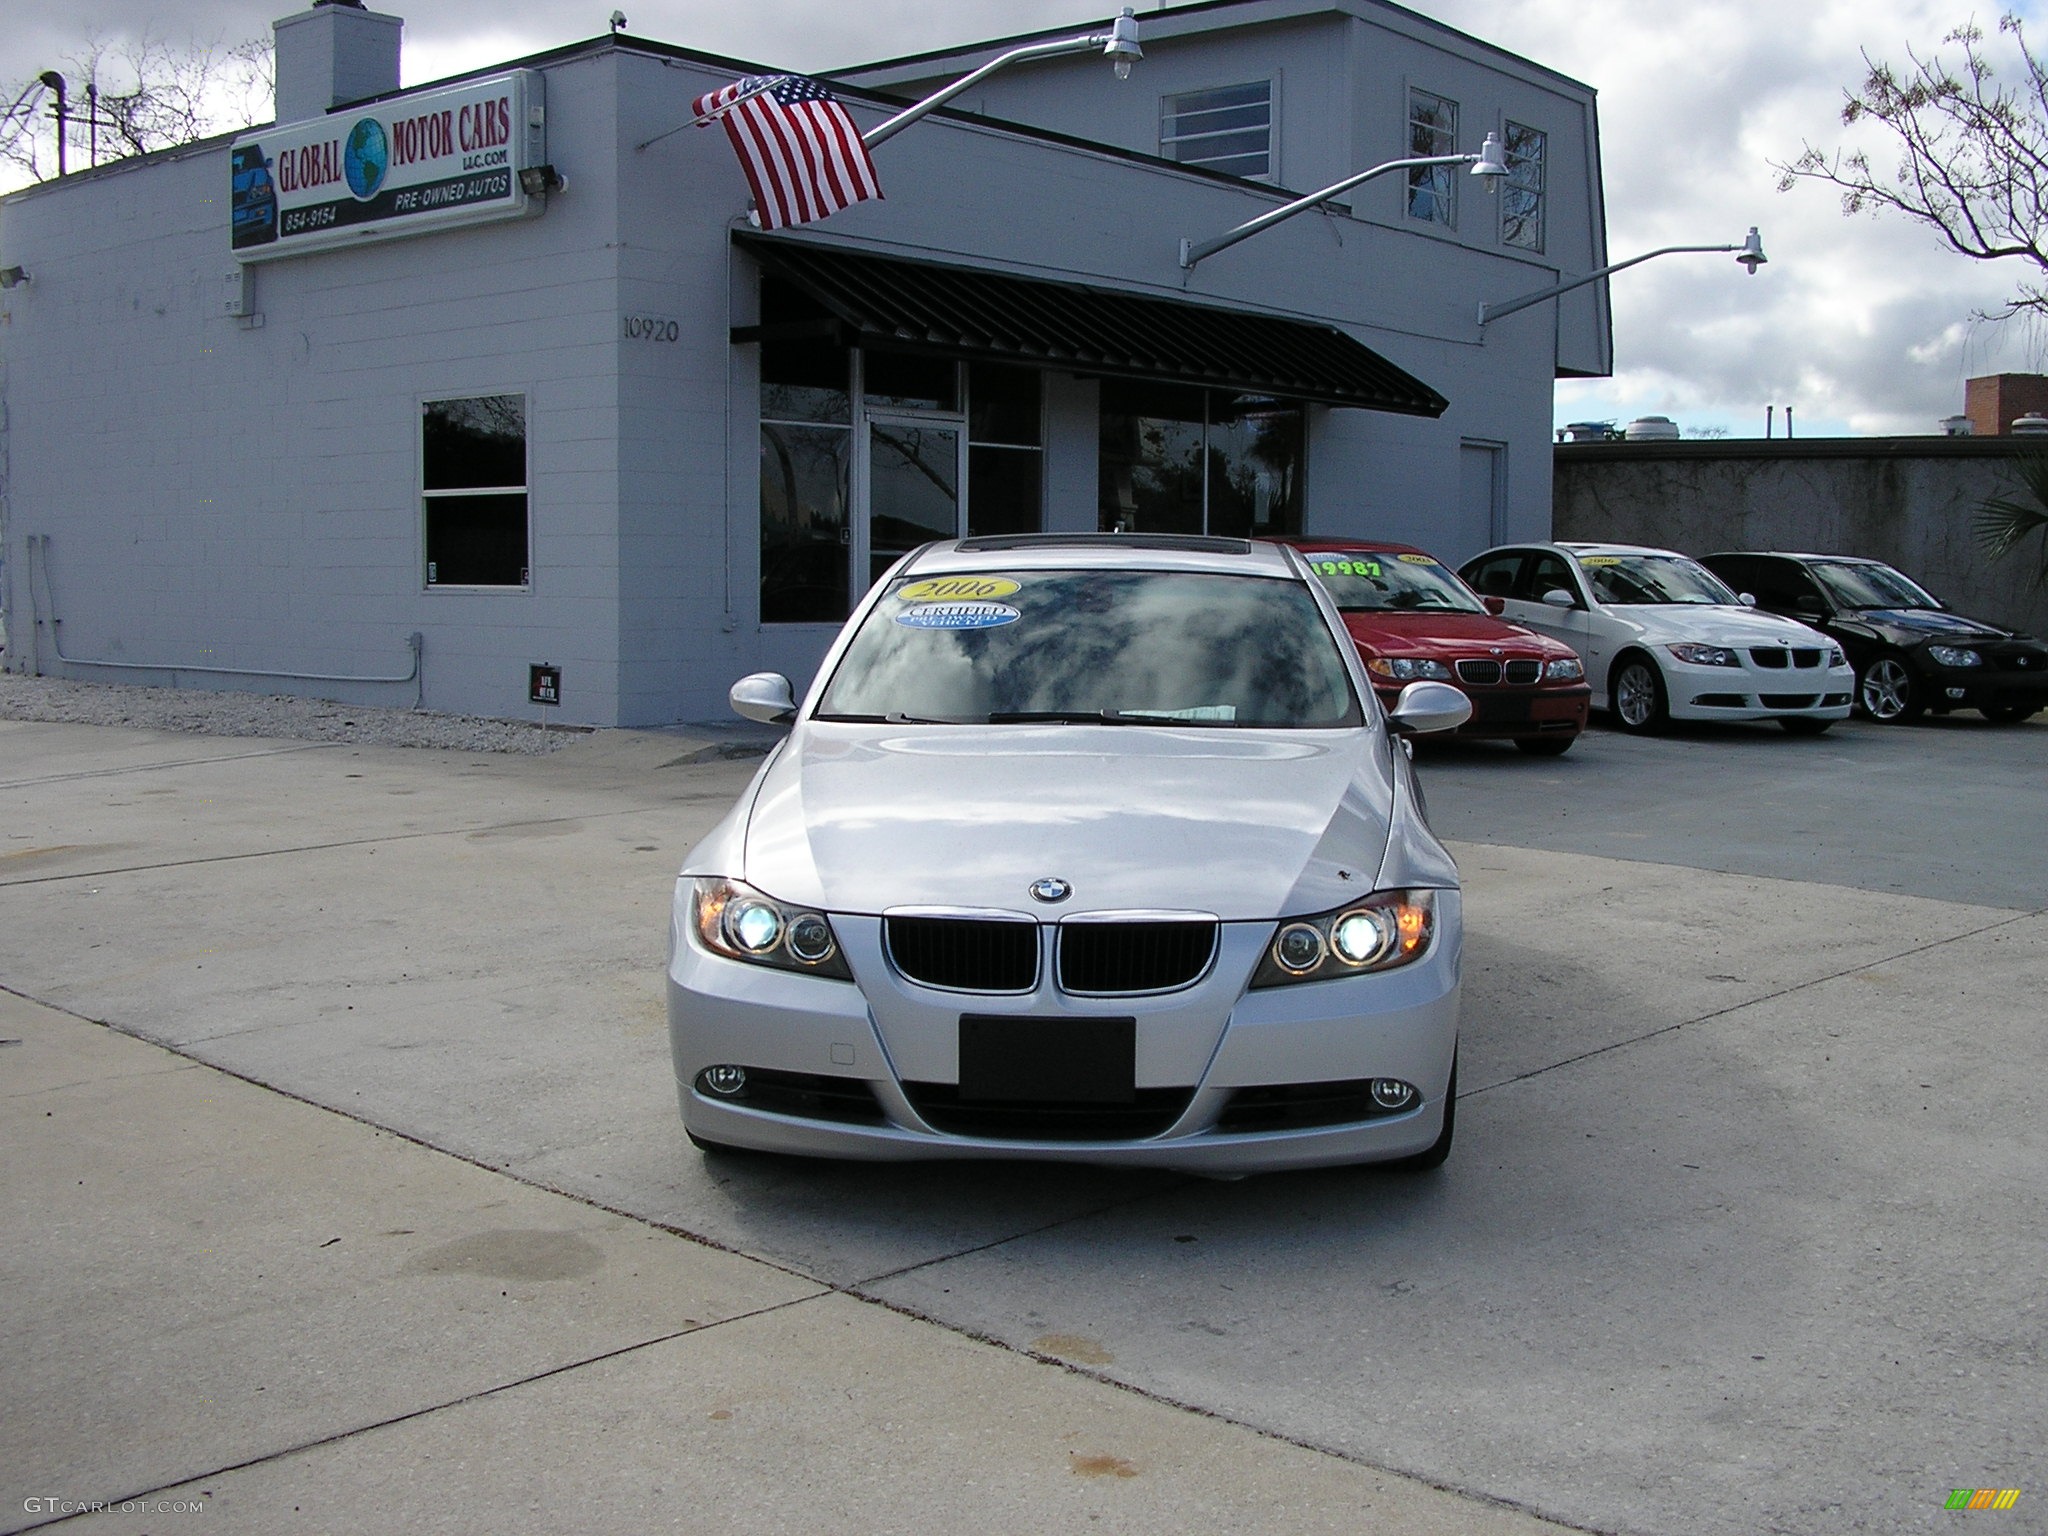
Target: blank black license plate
x=1050, y=1061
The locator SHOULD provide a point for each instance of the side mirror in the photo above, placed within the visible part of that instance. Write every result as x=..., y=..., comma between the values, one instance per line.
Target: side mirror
x=1424, y=708
x=764, y=696
x=1808, y=611
x=1557, y=597
x=1495, y=605
x=1747, y=599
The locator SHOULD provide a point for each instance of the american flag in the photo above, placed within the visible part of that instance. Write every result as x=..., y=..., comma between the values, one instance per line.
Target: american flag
x=801, y=152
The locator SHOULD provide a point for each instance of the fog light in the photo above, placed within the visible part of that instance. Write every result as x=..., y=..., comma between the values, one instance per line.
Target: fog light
x=1954, y=693
x=728, y=1081
x=1392, y=1093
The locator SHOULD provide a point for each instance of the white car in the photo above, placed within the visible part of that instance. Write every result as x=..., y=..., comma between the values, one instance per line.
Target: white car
x=1663, y=638
x=1090, y=847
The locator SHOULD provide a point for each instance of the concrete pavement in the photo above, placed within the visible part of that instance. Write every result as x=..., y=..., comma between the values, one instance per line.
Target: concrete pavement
x=1742, y=1233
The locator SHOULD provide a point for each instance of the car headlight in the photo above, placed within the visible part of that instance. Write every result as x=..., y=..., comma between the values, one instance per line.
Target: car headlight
x=1566, y=669
x=1384, y=931
x=1409, y=669
x=1705, y=655
x=1955, y=656
x=740, y=923
x=1836, y=658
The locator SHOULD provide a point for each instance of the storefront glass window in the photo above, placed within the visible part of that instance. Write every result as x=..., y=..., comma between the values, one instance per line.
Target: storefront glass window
x=1178, y=460
x=1005, y=453
x=473, y=491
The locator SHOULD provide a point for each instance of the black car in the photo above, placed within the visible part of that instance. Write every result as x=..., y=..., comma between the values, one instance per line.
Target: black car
x=1911, y=653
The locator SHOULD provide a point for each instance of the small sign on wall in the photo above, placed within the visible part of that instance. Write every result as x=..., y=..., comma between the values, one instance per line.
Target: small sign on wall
x=543, y=683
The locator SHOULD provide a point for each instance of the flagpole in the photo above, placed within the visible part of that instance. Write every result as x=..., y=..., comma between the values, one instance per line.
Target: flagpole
x=766, y=82
x=1120, y=43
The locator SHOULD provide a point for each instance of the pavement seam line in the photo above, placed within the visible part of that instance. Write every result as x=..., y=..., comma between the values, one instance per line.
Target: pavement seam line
x=1214, y=1415
x=1768, y=997
x=418, y=1413
x=186, y=762
x=853, y=1291
x=354, y=842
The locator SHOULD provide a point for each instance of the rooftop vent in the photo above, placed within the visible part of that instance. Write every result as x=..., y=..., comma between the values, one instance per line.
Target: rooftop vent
x=1957, y=426
x=2033, y=424
x=1651, y=429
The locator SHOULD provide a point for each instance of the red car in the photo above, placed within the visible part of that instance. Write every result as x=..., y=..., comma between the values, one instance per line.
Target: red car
x=1413, y=619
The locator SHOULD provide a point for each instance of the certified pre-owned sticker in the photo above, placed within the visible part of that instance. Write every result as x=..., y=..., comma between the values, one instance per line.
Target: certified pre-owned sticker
x=956, y=589
x=957, y=616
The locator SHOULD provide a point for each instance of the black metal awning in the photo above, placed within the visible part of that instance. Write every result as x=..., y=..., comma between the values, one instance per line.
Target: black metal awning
x=883, y=301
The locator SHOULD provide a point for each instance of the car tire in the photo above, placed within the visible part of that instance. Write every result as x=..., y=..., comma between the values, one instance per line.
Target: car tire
x=1440, y=1149
x=1886, y=692
x=1636, y=690
x=2009, y=714
x=1546, y=746
x=1805, y=725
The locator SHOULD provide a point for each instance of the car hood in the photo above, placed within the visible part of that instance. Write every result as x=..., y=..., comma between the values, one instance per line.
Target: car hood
x=1716, y=624
x=1424, y=633
x=1909, y=626
x=863, y=819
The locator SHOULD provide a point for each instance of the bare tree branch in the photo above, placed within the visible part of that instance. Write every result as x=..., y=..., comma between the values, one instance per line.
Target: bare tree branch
x=1973, y=155
x=130, y=95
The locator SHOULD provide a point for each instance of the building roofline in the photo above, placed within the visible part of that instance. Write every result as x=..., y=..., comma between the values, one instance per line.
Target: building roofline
x=1929, y=447
x=1290, y=9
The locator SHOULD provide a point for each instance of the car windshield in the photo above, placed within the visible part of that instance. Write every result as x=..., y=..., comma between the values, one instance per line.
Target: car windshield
x=1644, y=579
x=1109, y=647
x=1853, y=584
x=1372, y=581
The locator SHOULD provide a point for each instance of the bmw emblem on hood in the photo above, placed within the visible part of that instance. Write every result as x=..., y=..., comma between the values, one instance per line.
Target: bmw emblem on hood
x=1050, y=889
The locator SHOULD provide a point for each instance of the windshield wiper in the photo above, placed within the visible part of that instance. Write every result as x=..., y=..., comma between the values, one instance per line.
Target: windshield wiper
x=1059, y=717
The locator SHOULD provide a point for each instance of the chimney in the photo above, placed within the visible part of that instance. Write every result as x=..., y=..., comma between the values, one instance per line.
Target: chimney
x=339, y=51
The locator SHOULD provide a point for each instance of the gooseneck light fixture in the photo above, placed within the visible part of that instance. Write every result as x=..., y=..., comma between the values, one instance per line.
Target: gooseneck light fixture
x=1749, y=254
x=1490, y=163
x=1119, y=45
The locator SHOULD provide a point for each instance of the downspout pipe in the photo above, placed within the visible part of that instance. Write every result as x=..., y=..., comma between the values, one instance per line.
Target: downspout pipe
x=39, y=557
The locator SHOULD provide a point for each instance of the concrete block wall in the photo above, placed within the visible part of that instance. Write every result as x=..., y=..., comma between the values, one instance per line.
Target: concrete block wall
x=1909, y=502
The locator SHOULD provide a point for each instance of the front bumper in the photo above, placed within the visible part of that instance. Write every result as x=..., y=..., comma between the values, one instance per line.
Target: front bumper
x=1986, y=687
x=861, y=1070
x=1751, y=692
x=1504, y=711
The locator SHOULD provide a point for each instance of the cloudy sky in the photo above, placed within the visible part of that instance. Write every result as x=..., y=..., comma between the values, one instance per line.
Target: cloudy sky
x=1861, y=325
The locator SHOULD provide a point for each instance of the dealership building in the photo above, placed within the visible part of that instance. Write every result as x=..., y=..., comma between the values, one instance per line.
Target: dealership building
x=415, y=392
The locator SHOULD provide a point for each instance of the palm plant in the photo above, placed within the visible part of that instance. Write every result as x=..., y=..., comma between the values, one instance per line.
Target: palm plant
x=2004, y=523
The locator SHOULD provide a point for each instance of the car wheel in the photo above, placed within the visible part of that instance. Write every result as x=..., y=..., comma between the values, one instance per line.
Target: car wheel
x=1637, y=689
x=1440, y=1149
x=1805, y=725
x=1546, y=746
x=1885, y=692
x=2009, y=714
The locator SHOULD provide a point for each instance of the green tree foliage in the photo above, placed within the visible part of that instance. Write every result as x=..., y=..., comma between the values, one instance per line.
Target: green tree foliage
x=2004, y=523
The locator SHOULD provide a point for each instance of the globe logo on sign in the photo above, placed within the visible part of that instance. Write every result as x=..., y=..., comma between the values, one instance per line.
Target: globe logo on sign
x=366, y=157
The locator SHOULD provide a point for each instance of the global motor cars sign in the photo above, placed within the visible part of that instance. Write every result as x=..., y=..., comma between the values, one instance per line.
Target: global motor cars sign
x=410, y=165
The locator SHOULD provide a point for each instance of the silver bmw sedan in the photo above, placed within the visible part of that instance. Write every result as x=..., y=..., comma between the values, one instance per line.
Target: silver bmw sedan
x=1082, y=847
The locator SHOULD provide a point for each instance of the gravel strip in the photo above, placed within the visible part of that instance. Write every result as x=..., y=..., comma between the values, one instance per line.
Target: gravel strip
x=273, y=715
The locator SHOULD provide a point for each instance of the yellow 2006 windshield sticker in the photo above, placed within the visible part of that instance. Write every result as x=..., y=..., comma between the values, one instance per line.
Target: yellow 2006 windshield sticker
x=1599, y=560
x=954, y=589
x=1417, y=560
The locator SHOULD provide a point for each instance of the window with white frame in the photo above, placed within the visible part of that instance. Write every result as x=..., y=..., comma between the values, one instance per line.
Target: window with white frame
x=1432, y=130
x=473, y=491
x=1229, y=128
x=1521, y=198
